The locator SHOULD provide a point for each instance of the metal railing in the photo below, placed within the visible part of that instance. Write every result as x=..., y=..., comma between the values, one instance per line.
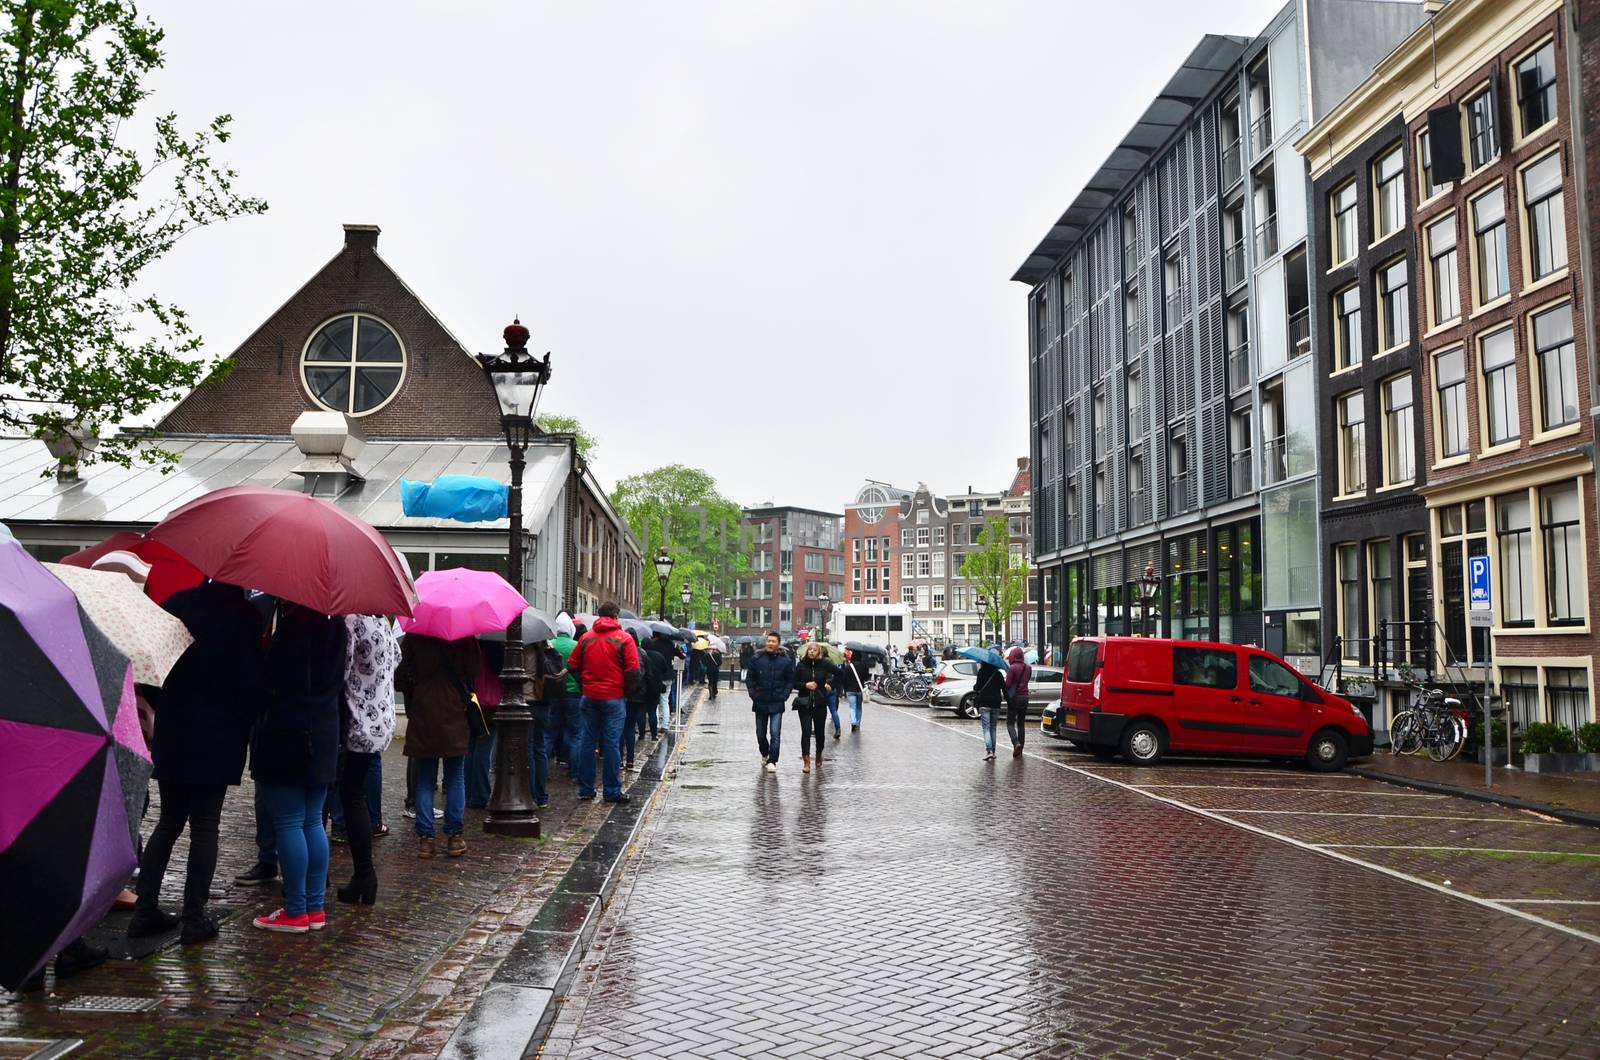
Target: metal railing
x=1174, y=309
x=1232, y=167
x=1130, y=259
x=1132, y=335
x=1239, y=368
x=1261, y=132
x=1274, y=460
x=1242, y=468
x=1233, y=265
x=1300, y=328
x=1178, y=492
x=1267, y=238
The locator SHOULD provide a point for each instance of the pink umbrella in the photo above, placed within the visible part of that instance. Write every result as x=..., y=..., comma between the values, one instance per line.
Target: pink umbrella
x=457, y=603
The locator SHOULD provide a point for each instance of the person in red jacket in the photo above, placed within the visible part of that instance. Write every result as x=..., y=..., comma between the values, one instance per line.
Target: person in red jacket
x=601, y=662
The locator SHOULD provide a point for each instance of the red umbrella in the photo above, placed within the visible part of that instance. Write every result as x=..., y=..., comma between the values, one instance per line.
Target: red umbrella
x=292, y=546
x=169, y=572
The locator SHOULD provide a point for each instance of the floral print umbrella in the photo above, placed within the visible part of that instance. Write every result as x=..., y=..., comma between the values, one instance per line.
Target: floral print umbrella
x=133, y=622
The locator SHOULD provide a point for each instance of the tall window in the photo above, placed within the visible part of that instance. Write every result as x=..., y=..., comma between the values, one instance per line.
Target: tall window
x=1450, y=377
x=938, y=564
x=1380, y=577
x=1489, y=233
x=1516, y=559
x=1567, y=689
x=1352, y=443
x=1349, y=603
x=1558, y=370
x=1546, y=223
x=1388, y=179
x=1345, y=240
x=924, y=565
x=1347, y=326
x=922, y=536
x=1442, y=278
x=1536, y=89
x=1399, y=432
x=1394, y=305
x=1499, y=354
x=1483, y=143
x=908, y=564
x=1425, y=184
x=1563, y=554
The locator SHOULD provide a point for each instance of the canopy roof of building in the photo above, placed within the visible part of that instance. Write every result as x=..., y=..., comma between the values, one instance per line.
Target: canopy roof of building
x=1194, y=80
x=142, y=495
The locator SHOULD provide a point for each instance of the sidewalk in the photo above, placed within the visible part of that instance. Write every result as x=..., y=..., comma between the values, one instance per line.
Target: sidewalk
x=1573, y=797
x=392, y=979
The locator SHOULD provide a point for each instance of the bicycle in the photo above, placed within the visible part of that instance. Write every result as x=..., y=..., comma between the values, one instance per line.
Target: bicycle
x=1434, y=722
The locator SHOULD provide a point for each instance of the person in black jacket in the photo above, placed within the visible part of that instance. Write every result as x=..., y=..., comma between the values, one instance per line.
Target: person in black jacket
x=814, y=679
x=652, y=686
x=989, y=693
x=203, y=717
x=294, y=757
x=853, y=684
x=769, y=680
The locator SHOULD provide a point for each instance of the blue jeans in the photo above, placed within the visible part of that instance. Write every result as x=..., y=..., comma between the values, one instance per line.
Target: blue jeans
x=480, y=767
x=987, y=717
x=296, y=813
x=833, y=708
x=603, y=721
x=374, y=797
x=769, y=731
x=455, y=794
x=539, y=753
x=855, y=709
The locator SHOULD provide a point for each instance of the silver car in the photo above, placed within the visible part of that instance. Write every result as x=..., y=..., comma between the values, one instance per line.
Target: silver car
x=954, y=681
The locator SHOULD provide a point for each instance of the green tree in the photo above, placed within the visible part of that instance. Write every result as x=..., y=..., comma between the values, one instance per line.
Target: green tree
x=996, y=574
x=82, y=215
x=682, y=508
x=556, y=423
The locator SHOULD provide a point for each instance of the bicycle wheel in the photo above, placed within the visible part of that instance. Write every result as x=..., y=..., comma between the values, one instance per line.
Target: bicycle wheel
x=1405, y=733
x=1446, y=740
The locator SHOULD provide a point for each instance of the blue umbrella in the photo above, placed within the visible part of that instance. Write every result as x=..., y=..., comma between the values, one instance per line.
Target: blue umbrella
x=985, y=655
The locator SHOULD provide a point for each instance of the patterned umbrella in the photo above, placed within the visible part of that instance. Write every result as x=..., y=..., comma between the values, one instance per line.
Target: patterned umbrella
x=145, y=633
x=73, y=765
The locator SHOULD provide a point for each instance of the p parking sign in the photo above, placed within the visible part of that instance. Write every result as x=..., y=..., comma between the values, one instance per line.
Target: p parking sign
x=1478, y=583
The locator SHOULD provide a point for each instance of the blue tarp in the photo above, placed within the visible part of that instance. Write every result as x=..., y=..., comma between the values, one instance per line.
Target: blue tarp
x=464, y=498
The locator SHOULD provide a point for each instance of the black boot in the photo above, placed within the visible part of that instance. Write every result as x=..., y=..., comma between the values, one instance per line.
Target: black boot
x=80, y=956
x=151, y=921
x=361, y=890
x=197, y=929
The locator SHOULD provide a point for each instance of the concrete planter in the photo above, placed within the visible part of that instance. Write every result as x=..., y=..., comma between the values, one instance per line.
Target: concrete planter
x=1560, y=763
x=1498, y=756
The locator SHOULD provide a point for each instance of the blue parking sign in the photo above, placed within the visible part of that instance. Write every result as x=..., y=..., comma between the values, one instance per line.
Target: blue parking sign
x=1478, y=583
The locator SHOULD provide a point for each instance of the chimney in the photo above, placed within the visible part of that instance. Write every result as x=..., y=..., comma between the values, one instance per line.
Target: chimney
x=1432, y=7
x=361, y=237
x=330, y=444
x=1022, y=463
x=67, y=447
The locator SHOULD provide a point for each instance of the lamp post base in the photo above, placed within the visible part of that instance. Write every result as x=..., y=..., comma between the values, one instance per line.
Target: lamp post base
x=525, y=825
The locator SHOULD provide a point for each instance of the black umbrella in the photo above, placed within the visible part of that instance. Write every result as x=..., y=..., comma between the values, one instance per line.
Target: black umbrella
x=863, y=648
x=667, y=629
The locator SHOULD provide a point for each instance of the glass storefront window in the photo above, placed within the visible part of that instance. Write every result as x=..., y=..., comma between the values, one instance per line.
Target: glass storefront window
x=1289, y=536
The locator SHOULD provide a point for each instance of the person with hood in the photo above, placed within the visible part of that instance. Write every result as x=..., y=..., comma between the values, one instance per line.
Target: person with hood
x=602, y=661
x=436, y=677
x=1018, y=674
x=853, y=685
x=372, y=654
x=547, y=688
x=769, y=680
x=714, y=668
x=661, y=651
x=989, y=692
x=747, y=652
x=562, y=731
x=815, y=679
x=295, y=754
x=204, y=714
x=644, y=702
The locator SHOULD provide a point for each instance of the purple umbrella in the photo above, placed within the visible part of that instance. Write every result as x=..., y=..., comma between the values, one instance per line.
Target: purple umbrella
x=73, y=765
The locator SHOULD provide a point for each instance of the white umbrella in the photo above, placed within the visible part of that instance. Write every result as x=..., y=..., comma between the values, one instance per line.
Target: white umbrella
x=135, y=624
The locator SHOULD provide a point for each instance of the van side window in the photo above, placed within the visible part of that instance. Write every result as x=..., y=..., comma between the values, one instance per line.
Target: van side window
x=1081, y=659
x=1205, y=667
x=1273, y=678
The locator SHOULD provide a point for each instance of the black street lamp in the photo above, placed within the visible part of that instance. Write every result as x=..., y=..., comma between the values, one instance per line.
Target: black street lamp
x=517, y=379
x=663, y=572
x=983, y=617
x=823, y=602
x=1149, y=585
x=686, y=596
x=716, y=605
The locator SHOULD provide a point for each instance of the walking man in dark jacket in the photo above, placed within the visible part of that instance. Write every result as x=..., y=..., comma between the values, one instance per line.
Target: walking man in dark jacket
x=1018, y=674
x=769, y=679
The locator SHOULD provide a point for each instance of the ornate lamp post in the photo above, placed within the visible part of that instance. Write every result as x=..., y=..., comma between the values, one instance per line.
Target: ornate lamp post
x=1149, y=585
x=663, y=572
x=716, y=605
x=518, y=379
x=983, y=617
x=823, y=602
x=687, y=595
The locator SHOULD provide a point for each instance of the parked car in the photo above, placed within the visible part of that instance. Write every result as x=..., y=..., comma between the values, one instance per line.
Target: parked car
x=954, y=680
x=1145, y=697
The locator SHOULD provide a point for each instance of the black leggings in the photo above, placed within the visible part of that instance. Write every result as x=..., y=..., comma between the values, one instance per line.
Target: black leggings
x=201, y=806
x=813, y=720
x=357, y=820
x=1017, y=722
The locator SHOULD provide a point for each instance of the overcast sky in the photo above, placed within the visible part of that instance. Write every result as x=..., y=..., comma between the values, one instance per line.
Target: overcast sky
x=771, y=240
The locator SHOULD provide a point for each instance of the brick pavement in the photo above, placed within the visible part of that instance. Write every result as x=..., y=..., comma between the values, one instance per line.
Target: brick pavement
x=912, y=900
x=389, y=980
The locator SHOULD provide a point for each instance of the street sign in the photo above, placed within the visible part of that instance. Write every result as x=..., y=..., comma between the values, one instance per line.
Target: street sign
x=1477, y=619
x=1478, y=583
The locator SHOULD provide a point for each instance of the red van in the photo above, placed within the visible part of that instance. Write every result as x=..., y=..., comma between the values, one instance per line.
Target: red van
x=1144, y=697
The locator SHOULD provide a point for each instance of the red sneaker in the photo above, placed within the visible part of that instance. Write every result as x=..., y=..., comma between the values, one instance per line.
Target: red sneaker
x=281, y=921
x=317, y=921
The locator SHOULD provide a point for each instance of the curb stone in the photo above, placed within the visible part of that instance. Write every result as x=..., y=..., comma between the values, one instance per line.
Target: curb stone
x=514, y=1012
x=1479, y=795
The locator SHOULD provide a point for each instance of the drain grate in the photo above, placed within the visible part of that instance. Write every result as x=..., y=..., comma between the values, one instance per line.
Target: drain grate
x=108, y=1003
x=37, y=1048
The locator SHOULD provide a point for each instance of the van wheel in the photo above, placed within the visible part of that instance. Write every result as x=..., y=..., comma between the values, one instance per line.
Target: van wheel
x=1143, y=743
x=1327, y=751
x=967, y=708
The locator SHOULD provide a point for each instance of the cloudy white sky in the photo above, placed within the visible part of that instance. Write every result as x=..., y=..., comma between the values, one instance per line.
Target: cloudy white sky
x=770, y=240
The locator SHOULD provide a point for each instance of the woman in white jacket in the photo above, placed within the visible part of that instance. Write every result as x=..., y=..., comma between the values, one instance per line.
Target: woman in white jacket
x=372, y=653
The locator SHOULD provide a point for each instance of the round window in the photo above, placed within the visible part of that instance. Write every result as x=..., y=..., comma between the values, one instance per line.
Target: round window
x=353, y=364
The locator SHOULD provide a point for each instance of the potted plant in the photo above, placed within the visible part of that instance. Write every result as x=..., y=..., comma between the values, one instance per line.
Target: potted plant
x=1497, y=742
x=1550, y=748
x=1589, y=742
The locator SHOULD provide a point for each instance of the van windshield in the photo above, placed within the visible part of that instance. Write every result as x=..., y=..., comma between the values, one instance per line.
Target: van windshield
x=1080, y=661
